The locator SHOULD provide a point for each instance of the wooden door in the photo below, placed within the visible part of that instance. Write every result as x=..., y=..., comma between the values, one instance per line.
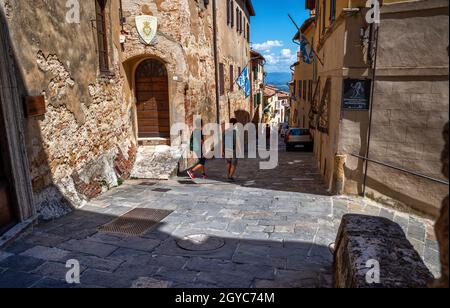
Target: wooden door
x=7, y=218
x=152, y=98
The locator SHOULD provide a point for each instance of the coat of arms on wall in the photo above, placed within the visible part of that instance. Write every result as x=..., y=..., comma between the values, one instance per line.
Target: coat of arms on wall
x=147, y=27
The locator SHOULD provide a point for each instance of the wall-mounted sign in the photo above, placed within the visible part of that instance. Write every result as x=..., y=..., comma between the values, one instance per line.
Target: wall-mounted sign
x=356, y=94
x=147, y=27
x=35, y=106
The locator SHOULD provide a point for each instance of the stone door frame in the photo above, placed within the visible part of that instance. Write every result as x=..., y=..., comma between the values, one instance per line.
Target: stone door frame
x=134, y=94
x=13, y=119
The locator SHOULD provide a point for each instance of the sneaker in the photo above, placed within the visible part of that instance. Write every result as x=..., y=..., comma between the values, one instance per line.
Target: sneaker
x=191, y=175
x=204, y=176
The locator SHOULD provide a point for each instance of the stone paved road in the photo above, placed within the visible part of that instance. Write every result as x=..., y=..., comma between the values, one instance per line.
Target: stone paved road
x=276, y=226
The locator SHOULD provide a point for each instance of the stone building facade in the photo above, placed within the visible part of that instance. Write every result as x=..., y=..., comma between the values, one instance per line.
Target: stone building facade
x=100, y=84
x=303, y=81
x=233, y=21
x=410, y=104
x=257, y=80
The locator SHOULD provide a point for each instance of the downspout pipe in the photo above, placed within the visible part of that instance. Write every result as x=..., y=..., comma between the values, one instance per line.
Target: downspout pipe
x=372, y=95
x=216, y=60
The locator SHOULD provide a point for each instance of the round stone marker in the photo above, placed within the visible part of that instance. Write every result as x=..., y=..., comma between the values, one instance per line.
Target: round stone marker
x=200, y=242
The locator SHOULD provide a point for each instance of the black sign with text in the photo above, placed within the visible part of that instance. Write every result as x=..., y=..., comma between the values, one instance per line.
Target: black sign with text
x=356, y=95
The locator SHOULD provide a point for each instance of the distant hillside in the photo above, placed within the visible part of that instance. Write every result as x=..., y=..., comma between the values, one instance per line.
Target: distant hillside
x=279, y=80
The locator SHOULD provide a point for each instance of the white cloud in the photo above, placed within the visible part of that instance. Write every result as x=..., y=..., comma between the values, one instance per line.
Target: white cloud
x=286, y=53
x=271, y=59
x=266, y=46
x=281, y=61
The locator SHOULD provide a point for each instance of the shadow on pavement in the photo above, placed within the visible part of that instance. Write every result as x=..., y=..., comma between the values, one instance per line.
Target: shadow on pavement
x=155, y=260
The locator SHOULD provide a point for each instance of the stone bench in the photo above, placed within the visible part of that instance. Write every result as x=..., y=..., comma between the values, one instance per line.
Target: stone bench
x=365, y=244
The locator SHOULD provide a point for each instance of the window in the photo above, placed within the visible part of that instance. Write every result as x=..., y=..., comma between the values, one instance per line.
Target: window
x=221, y=79
x=237, y=19
x=228, y=12
x=318, y=11
x=310, y=97
x=333, y=11
x=324, y=13
x=100, y=8
x=305, y=89
x=231, y=78
x=299, y=93
x=241, y=20
x=248, y=32
x=232, y=13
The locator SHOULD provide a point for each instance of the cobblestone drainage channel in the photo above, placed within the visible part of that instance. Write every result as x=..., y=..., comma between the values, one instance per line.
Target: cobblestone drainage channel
x=200, y=242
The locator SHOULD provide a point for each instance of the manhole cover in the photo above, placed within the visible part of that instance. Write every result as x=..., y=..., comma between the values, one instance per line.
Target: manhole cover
x=200, y=242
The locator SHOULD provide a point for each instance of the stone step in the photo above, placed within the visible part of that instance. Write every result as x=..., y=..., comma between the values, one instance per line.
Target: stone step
x=153, y=142
x=156, y=162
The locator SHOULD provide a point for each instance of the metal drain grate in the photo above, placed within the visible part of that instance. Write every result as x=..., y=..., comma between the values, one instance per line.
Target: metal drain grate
x=163, y=190
x=187, y=182
x=135, y=222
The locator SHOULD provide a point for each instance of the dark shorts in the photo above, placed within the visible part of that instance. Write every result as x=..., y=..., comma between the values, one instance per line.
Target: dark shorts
x=202, y=161
x=232, y=161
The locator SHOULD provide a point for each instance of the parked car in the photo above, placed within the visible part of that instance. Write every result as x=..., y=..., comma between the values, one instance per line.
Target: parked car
x=284, y=127
x=299, y=138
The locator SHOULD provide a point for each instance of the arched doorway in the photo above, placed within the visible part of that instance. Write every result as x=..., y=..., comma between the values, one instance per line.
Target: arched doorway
x=152, y=99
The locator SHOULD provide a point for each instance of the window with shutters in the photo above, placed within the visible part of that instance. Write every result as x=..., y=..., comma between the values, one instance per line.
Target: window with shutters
x=237, y=19
x=305, y=89
x=333, y=11
x=228, y=12
x=232, y=13
x=102, y=39
x=221, y=79
x=248, y=32
x=241, y=29
x=310, y=96
x=231, y=78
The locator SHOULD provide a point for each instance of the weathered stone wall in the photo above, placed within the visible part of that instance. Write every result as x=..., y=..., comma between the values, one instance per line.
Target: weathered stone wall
x=73, y=148
x=366, y=244
x=233, y=49
x=184, y=44
x=86, y=142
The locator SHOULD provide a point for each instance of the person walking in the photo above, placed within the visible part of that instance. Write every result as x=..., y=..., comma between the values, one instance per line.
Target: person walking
x=197, y=147
x=230, y=150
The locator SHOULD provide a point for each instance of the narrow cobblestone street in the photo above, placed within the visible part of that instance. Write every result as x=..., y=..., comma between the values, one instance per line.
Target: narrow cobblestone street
x=276, y=226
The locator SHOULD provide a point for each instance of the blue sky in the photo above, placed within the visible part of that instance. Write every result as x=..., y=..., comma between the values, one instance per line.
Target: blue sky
x=272, y=31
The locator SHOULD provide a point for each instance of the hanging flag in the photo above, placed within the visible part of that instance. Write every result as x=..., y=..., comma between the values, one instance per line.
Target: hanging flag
x=244, y=81
x=307, y=57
